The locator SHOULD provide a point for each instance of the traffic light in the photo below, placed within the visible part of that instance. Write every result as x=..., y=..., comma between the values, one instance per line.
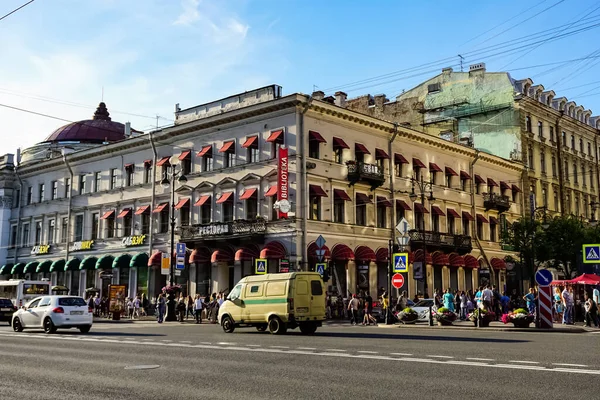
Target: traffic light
x=326, y=275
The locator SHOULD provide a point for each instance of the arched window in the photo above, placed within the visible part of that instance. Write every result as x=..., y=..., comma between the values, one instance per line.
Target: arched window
x=575, y=172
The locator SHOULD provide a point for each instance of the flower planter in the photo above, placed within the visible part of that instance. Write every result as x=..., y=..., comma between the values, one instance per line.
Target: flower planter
x=443, y=322
x=409, y=321
x=521, y=324
x=484, y=323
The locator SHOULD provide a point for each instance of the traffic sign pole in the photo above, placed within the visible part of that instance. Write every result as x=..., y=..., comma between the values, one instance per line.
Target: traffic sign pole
x=543, y=277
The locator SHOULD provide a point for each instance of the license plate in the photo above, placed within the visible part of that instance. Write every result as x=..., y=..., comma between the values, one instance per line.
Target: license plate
x=5, y=309
x=302, y=309
x=76, y=312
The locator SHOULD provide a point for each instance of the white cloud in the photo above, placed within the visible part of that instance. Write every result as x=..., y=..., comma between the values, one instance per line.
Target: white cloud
x=190, y=13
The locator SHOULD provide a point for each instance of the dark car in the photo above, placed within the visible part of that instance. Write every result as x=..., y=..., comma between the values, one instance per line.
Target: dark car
x=7, y=309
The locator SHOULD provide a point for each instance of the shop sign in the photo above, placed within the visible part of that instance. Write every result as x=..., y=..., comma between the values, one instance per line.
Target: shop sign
x=40, y=249
x=136, y=240
x=82, y=245
x=283, y=183
x=284, y=265
x=214, y=230
x=224, y=229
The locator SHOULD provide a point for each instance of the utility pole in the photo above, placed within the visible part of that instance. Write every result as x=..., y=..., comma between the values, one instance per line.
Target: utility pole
x=461, y=62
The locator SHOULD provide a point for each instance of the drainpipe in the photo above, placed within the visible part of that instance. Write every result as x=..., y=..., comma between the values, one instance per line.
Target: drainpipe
x=597, y=168
x=152, y=200
x=69, y=207
x=474, y=211
x=393, y=214
x=19, y=213
x=303, y=180
x=561, y=177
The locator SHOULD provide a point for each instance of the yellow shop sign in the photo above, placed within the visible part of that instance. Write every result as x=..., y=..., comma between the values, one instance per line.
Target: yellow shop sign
x=136, y=240
x=83, y=245
x=41, y=249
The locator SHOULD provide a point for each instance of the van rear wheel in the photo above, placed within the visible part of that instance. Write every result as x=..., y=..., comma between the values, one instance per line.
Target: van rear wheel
x=308, y=328
x=276, y=326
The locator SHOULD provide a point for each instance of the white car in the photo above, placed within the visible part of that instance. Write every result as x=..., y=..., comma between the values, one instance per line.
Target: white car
x=422, y=308
x=52, y=313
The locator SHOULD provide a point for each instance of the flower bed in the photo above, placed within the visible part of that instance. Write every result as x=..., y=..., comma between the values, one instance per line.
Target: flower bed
x=484, y=316
x=408, y=316
x=520, y=318
x=444, y=316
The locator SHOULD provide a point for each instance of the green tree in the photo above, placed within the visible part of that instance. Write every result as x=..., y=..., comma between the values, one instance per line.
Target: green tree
x=562, y=242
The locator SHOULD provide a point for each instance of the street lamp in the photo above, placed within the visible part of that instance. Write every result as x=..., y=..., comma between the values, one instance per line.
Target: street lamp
x=166, y=183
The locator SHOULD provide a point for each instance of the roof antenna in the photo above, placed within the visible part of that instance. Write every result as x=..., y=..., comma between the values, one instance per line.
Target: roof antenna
x=461, y=62
x=102, y=94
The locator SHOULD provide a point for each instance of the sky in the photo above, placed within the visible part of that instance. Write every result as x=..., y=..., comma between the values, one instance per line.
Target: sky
x=61, y=58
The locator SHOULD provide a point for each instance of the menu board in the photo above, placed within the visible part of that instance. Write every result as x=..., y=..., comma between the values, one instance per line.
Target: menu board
x=116, y=298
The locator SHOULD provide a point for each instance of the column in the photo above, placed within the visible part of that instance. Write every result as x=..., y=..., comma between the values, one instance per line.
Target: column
x=133, y=282
x=237, y=272
x=82, y=276
x=475, y=279
x=192, y=288
x=351, y=276
x=430, y=285
x=372, y=279
x=461, y=279
x=445, y=278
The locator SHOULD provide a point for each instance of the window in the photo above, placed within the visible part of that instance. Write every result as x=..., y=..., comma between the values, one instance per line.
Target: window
x=163, y=226
x=338, y=154
x=528, y=123
x=530, y=155
x=339, y=210
x=313, y=148
x=419, y=220
x=581, y=146
x=583, y=174
x=229, y=157
x=41, y=190
x=129, y=174
x=568, y=203
x=54, y=190
x=399, y=212
x=573, y=142
x=82, y=184
x=29, y=195
x=448, y=180
x=540, y=129
x=592, y=178
x=577, y=206
x=315, y=207
x=589, y=149
x=253, y=153
x=145, y=223
x=78, y=233
x=110, y=226
x=147, y=172
x=434, y=87
x=113, y=178
x=64, y=227
x=205, y=213
x=127, y=223
x=553, y=166
x=398, y=169
x=97, y=181
x=477, y=187
x=479, y=228
x=361, y=210
x=463, y=184
x=552, y=134
x=450, y=224
x=575, y=172
x=207, y=162
x=13, y=236
x=466, y=226
x=585, y=207
x=227, y=210
x=417, y=172
x=566, y=172
x=95, y=225
x=381, y=215
x=186, y=164
x=25, y=236
x=544, y=197
x=38, y=233
x=435, y=222
x=277, y=140
x=316, y=288
x=493, y=231
x=555, y=201
x=564, y=138
x=252, y=207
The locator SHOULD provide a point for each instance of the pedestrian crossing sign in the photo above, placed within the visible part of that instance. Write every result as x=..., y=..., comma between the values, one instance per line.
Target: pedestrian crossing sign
x=400, y=262
x=260, y=266
x=320, y=268
x=591, y=253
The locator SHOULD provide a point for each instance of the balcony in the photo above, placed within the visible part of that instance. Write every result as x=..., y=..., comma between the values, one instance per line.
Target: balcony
x=445, y=242
x=494, y=201
x=226, y=230
x=371, y=174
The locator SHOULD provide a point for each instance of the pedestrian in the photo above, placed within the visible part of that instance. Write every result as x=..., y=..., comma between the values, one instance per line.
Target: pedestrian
x=97, y=305
x=181, y=308
x=596, y=298
x=558, y=307
x=198, y=306
x=161, y=306
x=568, y=305
x=504, y=303
x=530, y=300
x=591, y=311
x=190, y=307
x=464, y=300
x=487, y=298
x=478, y=298
x=448, y=300
x=144, y=305
x=353, y=305
x=402, y=301
x=136, y=307
x=437, y=298
x=369, y=310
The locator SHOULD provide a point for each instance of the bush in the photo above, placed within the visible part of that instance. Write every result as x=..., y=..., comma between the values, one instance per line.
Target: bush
x=409, y=310
x=443, y=310
x=521, y=311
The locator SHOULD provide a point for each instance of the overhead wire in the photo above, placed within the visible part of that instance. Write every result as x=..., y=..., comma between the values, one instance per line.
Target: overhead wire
x=16, y=9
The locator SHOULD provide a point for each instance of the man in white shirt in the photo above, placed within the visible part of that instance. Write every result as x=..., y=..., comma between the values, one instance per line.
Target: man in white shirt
x=198, y=306
x=567, y=298
x=487, y=297
x=353, y=308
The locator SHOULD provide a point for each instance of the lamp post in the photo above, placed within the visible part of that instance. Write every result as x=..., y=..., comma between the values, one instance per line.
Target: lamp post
x=170, y=183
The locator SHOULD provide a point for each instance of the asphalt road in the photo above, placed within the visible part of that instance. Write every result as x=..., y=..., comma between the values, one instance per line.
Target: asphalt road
x=340, y=362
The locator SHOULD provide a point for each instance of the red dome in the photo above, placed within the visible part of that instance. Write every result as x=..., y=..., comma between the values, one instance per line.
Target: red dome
x=97, y=130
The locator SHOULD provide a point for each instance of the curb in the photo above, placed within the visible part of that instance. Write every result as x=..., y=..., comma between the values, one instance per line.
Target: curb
x=490, y=329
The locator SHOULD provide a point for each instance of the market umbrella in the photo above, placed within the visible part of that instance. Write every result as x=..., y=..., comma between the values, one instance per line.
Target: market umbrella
x=586, y=279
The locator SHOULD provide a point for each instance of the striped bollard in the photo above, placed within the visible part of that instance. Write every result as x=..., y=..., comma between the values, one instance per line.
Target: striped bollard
x=545, y=306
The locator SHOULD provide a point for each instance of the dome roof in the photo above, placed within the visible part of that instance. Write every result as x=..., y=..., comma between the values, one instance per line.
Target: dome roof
x=99, y=129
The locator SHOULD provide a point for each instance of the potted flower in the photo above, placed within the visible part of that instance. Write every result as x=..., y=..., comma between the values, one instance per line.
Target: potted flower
x=408, y=316
x=484, y=316
x=444, y=316
x=520, y=318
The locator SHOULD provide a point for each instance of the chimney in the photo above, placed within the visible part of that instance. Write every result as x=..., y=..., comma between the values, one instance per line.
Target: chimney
x=177, y=108
x=477, y=69
x=127, y=129
x=340, y=99
x=18, y=158
x=318, y=95
x=380, y=99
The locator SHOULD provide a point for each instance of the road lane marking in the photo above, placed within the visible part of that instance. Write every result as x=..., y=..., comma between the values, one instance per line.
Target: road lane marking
x=368, y=352
x=571, y=365
x=523, y=362
x=306, y=348
x=185, y=341
x=166, y=340
x=226, y=344
x=331, y=354
x=401, y=354
x=279, y=347
x=253, y=345
x=480, y=359
x=470, y=363
x=439, y=356
x=335, y=350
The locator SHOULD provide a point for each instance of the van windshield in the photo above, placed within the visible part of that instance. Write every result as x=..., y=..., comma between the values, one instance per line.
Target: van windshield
x=235, y=293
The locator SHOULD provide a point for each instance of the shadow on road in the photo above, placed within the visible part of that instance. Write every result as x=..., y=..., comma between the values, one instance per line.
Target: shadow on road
x=97, y=333
x=351, y=335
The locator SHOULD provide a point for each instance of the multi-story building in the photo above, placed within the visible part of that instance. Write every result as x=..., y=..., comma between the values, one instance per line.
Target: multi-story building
x=265, y=175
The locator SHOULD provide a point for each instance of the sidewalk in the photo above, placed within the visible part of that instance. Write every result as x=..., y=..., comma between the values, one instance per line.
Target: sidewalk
x=495, y=326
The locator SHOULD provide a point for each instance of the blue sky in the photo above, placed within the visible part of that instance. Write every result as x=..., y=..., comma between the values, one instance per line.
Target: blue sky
x=57, y=56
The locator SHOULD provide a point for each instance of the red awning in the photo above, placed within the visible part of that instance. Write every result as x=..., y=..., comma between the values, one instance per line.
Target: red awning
x=586, y=279
x=142, y=210
x=181, y=203
x=316, y=137
x=433, y=167
x=275, y=135
x=184, y=155
x=362, y=198
x=481, y=218
x=272, y=191
x=227, y=146
x=222, y=255
x=128, y=166
x=420, y=208
x=251, y=141
x=466, y=215
x=364, y=253
x=452, y=213
x=248, y=253
x=493, y=220
x=437, y=211
x=164, y=161
x=160, y=207
x=360, y=148
x=225, y=196
x=382, y=254
x=402, y=204
x=108, y=214
x=450, y=171
x=339, y=143
x=498, y=263
x=383, y=201
x=381, y=155
x=418, y=163
x=147, y=162
x=202, y=200
x=399, y=159
x=515, y=188
x=464, y=175
x=504, y=185
x=312, y=251
x=479, y=179
x=341, y=194
x=206, y=150
x=491, y=182
x=155, y=259
x=273, y=250
x=125, y=212
x=439, y=258
x=471, y=262
x=456, y=261
x=201, y=255
x=316, y=190
x=341, y=252
x=248, y=193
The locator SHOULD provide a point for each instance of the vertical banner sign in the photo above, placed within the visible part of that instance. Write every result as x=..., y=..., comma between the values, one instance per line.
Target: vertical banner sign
x=283, y=183
x=165, y=265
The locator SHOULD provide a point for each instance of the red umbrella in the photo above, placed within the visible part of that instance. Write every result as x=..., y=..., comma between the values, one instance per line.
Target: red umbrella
x=586, y=279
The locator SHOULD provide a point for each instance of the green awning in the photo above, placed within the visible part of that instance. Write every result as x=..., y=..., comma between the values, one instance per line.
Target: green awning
x=139, y=260
x=44, y=266
x=18, y=268
x=6, y=269
x=58, y=265
x=88, y=263
x=72, y=265
x=105, y=262
x=30, y=267
x=122, y=261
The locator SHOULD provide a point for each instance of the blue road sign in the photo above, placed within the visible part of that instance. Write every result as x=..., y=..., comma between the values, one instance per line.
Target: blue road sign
x=543, y=277
x=591, y=253
x=320, y=268
x=400, y=262
x=261, y=266
x=181, y=249
x=320, y=242
x=180, y=256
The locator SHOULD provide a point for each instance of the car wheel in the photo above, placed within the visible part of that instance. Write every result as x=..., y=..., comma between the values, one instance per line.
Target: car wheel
x=17, y=327
x=227, y=324
x=261, y=327
x=85, y=329
x=308, y=328
x=276, y=326
x=49, y=326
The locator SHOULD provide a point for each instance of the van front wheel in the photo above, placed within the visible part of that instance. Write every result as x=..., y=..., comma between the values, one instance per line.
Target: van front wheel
x=276, y=326
x=308, y=328
x=227, y=324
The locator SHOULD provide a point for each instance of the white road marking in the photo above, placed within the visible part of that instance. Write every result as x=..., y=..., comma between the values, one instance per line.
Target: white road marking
x=523, y=362
x=439, y=356
x=279, y=347
x=226, y=344
x=185, y=341
x=253, y=345
x=335, y=350
x=471, y=363
x=401, y=354
x=166, y=340
x=306, y=348
x=480, y=359
x=368, y=352
x=334, y=354
x=571, y=365
x=208, y=343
